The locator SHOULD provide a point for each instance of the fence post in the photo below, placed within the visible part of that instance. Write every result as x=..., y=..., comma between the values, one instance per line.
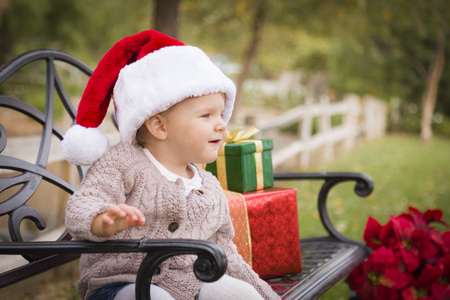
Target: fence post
x=351, y=120
x=375, y=117
x=325, y=128
x=305, y=131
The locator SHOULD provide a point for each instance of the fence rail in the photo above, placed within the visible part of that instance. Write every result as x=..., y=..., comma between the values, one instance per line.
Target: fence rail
x=358, y=118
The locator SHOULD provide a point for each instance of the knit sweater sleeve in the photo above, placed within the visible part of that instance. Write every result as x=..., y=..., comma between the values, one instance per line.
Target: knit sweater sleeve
x=103, y=185
x=237, y=267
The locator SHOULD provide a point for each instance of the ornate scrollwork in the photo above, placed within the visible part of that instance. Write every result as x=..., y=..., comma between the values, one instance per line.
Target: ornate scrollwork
x=206, y=269
x=22, y=186
x=363, y=187
x=210, y=265
x=16, y=218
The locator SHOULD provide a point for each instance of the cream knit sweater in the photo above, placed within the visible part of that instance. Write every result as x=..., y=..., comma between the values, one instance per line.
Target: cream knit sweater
x=126, y=175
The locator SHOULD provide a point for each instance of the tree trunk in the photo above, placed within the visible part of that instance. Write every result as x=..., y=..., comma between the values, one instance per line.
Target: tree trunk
x=166, y=17
x=4, y=4
x=251, y=50
x=5, y=41
x=431, y=89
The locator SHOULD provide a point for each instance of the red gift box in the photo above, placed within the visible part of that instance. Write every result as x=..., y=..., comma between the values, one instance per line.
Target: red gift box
x=275, y=239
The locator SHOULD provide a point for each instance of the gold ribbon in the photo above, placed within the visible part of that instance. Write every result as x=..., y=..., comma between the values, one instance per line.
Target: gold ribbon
x=239, y=218
x=237, y=135
x=241, y=137
x=259, y=167
x=222, y=170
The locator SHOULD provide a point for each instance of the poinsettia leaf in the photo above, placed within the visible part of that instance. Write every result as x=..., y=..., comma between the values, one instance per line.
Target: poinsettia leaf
x=438, y=239
x=381, y=258
x=428, y=249
x=420, y=222
x=434, y=215
x=369, y=291
x=403, y=228
x=430, y=274
x=406, y=216
x=372, y=233
x=446, y=239
x=445, y=261
x=386, y=233
x=386, y=281
x=410, y=293
x=356, y=278
x=394, y=278
x=410, y=258
x=414, y=210
x=440, y=291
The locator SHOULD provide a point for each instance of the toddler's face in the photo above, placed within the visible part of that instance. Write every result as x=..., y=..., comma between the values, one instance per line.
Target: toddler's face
x=196, y=129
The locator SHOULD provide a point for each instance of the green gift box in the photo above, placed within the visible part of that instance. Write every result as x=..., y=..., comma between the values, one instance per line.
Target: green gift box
x=244, y=166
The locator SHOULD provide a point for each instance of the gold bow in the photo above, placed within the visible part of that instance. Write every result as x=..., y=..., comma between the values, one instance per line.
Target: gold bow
x=237, y=135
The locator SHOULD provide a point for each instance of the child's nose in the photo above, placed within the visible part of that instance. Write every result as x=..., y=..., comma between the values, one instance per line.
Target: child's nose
x=220, y=126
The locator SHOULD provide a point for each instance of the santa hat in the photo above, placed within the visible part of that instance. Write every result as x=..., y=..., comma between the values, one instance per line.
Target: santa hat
x=145, y=74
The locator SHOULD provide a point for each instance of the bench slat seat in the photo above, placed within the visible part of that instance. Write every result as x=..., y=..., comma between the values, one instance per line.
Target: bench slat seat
x=325, y=262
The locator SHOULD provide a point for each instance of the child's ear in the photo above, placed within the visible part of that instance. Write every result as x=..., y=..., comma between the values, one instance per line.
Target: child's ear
x=156, y=126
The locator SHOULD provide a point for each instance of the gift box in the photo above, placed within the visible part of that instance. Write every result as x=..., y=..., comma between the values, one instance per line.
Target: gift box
x=239, y=217
x=244, y=166
x=275, y=239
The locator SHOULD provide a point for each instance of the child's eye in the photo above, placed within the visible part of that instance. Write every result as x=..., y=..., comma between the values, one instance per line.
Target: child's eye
x=206, y=115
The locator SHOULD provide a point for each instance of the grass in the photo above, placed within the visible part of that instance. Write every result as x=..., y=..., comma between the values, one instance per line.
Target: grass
x=405, y=173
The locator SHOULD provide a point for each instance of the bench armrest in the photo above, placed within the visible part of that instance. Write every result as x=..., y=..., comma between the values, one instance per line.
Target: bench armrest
x=210, y=265
x=363, y=187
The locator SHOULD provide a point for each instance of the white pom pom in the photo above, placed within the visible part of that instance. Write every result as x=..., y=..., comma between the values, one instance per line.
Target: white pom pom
x=83, y=146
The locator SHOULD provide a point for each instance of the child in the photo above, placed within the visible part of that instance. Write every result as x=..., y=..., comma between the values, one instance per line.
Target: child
x=172, y=105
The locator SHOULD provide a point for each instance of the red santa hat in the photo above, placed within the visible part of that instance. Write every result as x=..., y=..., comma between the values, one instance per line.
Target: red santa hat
x=145, y=74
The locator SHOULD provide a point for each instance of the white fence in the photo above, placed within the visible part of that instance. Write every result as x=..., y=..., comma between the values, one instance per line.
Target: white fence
x=358, y=119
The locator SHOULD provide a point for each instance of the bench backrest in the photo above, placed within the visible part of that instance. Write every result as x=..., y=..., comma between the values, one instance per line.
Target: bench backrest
x=25, y=172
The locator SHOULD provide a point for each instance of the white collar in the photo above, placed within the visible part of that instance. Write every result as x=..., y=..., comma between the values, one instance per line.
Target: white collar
x=189, y=183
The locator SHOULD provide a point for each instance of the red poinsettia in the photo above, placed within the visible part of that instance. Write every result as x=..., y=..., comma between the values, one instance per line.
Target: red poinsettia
x=411, y=259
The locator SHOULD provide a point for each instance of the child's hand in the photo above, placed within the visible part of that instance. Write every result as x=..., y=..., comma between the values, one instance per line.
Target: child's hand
x=117, y=218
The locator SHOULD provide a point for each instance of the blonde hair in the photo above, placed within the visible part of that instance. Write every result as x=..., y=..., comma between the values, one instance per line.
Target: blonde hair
x=143, y=135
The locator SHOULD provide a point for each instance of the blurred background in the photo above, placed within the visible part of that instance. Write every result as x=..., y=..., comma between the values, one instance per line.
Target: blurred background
x=352, y=85
x=276, y=51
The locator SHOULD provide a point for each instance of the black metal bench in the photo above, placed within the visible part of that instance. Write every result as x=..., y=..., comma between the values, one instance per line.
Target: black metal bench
x=326, y=260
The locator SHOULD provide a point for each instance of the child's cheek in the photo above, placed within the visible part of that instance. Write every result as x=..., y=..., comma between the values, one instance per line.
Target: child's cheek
x=224, y=134
x=221, y=143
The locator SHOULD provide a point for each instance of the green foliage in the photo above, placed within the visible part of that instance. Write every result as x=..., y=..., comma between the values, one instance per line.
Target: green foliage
x=391, y=48
x=441, y=125
x=86, y=29
x=383, y=48
x=38, y=24
x=34, y=91
x=217, y=26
